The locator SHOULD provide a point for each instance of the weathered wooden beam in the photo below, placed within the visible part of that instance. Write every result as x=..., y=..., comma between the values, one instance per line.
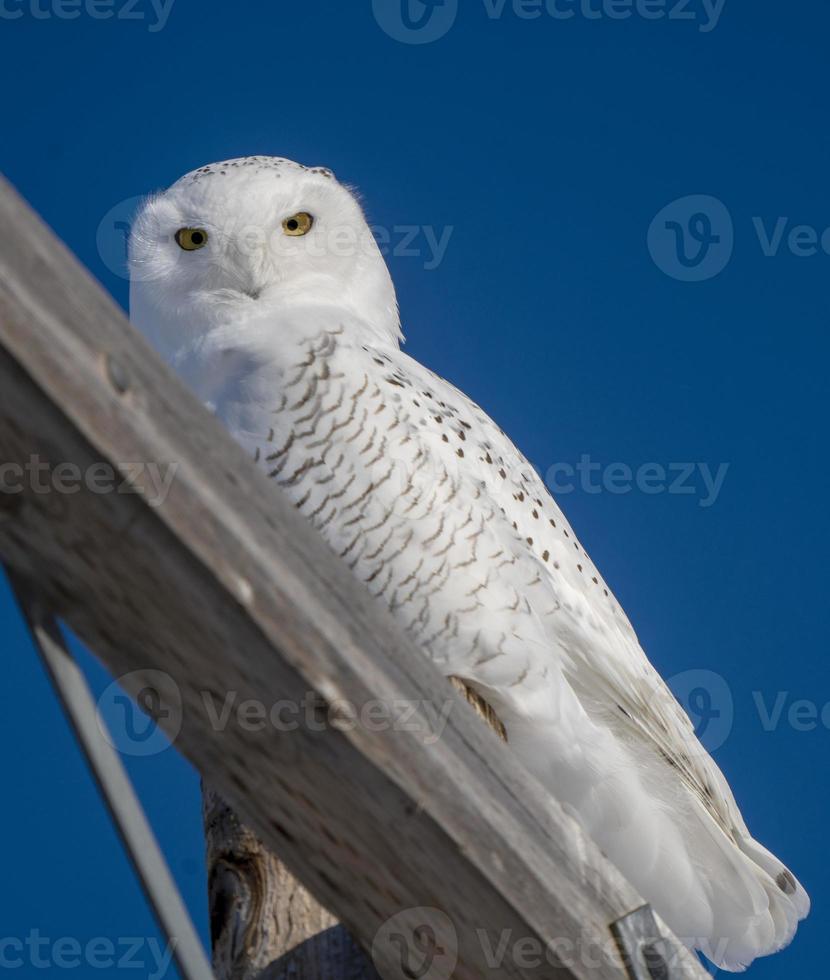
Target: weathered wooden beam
x=223, y=595
x=264, y=923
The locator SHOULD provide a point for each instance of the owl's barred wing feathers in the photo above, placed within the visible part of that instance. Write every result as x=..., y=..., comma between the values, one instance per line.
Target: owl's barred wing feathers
x=599, y=654
x=644, y=704
x=448, y=524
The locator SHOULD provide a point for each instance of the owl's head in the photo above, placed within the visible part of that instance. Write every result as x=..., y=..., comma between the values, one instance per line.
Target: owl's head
x=253, y=237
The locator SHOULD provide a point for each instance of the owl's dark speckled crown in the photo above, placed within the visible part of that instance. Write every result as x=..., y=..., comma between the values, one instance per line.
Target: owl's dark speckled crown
x=275, y=165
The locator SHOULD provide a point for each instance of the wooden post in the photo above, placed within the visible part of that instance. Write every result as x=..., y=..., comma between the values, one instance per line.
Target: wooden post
x=426, y=839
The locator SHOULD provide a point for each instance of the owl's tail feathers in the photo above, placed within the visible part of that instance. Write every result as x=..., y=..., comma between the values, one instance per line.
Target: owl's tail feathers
x=778, y=903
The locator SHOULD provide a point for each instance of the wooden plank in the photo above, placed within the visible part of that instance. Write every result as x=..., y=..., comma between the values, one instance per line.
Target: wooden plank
x=421, y=834
x=264, y=924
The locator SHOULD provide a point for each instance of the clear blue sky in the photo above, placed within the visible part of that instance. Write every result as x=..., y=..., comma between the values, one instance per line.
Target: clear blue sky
x=547, y=146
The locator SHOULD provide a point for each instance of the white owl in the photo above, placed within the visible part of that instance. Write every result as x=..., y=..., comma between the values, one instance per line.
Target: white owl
x=259, y=281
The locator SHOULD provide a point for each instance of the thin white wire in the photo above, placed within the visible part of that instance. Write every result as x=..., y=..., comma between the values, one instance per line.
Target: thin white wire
x=117, y=790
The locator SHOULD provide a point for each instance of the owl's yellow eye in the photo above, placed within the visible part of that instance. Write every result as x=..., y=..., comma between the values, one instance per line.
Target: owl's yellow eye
x=191, y=239
x=298, y=224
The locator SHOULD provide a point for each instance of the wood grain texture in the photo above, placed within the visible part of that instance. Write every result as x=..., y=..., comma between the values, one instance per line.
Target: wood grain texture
x=265, y=925
x=224, y=595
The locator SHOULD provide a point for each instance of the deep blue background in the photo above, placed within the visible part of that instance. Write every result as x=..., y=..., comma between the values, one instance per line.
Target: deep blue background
x=549, y=147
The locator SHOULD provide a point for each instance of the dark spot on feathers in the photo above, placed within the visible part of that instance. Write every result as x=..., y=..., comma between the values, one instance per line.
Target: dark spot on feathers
x=786, y=883
x=545, y=555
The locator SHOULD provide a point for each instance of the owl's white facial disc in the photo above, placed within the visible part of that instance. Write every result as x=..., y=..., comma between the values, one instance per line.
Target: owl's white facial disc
x=253, y=237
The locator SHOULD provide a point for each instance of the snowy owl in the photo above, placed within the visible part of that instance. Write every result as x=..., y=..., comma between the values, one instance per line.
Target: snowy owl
x=259, y=281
